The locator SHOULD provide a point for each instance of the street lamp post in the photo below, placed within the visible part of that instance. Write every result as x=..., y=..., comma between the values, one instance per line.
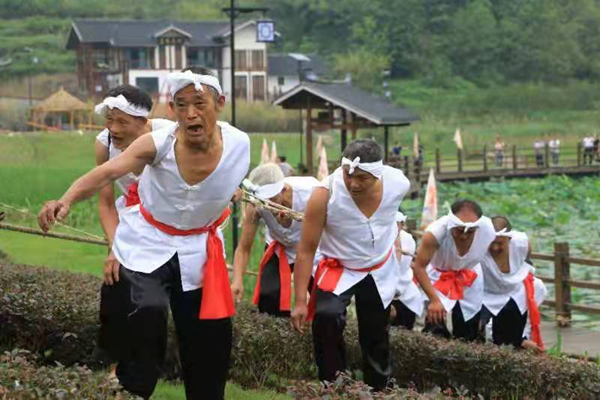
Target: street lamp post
x=300, y=58
x=233, y=12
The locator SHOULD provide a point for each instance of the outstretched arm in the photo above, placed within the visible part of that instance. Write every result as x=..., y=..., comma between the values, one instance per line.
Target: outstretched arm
x=315, y=217
x=429, y=245
x=242, y=252
x=140, y=153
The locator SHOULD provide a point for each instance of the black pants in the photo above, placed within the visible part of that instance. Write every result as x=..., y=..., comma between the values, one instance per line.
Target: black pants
x=404, y=316
x=204, y=345
x=461, y=329
x=508, y=326
x=113, y=320
x=373, y=333
x=270, y=289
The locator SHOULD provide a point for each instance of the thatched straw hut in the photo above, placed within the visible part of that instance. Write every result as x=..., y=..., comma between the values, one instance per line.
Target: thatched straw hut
x=61, y=109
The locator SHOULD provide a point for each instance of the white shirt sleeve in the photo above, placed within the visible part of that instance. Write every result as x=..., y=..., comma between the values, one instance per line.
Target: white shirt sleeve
x=438, y=229
x=163, y=140
x=103, y=138
x=160, y=123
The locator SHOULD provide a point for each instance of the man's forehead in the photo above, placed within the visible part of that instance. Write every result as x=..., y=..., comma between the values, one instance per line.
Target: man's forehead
x=116, y=113
x=190, y=92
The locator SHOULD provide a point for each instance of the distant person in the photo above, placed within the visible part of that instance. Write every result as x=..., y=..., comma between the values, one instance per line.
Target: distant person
x=396, y=150
x=588, y=149
x=287, y=169
x=126, y=111
x=499, y=151
x=554, y=145
x=597, y=147
x=538, y=147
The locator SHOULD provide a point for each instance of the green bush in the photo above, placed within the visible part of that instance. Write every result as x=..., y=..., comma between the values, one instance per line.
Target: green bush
x=54, y=314
x=21, y=378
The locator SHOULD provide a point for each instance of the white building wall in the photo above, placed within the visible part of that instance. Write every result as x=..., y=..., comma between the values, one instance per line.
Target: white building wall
x=245, y=39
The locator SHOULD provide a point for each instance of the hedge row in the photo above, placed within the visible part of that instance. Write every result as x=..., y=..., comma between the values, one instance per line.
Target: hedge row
x=21, y=378
x=55, y=315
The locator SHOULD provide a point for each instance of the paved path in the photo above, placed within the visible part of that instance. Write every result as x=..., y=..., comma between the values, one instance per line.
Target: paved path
x=574, y=340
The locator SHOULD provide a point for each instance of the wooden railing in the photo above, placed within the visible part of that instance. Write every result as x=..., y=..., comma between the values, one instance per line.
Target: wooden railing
x=563, y=303
x=562, y=260
x=482, y=163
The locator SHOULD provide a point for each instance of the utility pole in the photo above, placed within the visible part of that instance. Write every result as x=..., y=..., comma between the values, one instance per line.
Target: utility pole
x=233, y=12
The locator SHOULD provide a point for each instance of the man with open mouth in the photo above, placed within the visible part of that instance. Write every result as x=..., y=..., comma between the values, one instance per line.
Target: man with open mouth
x=170, y=246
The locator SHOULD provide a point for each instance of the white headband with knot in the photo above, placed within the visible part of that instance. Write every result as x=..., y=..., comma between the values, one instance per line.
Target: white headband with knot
x=455, y=222
x=264, y=192
x=374, y=168
x=122, y=104
x=400, y=217
x=179, y=80
x=505, y=233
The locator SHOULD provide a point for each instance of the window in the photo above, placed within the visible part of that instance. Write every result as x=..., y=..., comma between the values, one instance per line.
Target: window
x=281, y=80
x=148, y=85
x=138, y=58
x=101, y=58
x=258, y=87
x=258, y=60
x=201, y=57
x=241, y=87
x=241, y=63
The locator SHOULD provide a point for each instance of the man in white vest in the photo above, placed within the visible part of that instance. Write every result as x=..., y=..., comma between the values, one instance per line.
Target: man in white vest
x=273, y=291
x=126, y=110
x=352, y=219
x=512, y=294
x=448, y=269
x=170, y=246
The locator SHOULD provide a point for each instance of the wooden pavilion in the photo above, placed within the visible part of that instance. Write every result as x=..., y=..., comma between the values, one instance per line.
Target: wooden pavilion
x=59, y=110
x=344, y=107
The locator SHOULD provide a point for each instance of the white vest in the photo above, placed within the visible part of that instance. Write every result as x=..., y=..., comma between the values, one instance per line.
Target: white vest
x=446, y=258
x=140, y=246
x=302, y=188
x=407, y=291
x=124, y=182
x=500, y=287
x=359, y=242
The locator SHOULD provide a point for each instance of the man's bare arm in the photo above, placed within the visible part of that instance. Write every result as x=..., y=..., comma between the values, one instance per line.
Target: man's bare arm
x=140, y=153
x=425, y=252
x=242, y=252
x=315, y=217
x=106, y=198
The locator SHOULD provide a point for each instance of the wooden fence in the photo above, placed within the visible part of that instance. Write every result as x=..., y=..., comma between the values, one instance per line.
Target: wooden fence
x=481, y=163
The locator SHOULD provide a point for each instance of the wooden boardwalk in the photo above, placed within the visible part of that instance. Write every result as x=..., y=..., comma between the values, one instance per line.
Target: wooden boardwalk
x=574, y=341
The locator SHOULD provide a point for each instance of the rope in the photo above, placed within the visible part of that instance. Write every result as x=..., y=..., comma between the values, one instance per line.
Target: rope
x=271, y=206
x=29, y=213
x=31, y=231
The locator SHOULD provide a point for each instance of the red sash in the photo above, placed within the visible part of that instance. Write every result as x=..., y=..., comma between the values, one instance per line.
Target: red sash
x=452, y=283
x=217, y=301
x=330, y=270
x=132, y=197
x=285, y=276
x=534, y=312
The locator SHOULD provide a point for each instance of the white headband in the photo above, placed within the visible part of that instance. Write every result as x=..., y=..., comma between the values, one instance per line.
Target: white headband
x=374, y=168
x=505, y=233
x=264, y=192
x=122, y=104
x=400, y=217
x=179, y=80
x=455, y=222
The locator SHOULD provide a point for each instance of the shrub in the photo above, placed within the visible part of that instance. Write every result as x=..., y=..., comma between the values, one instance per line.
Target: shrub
x=21, y=378
x=54, y=314
x=344, y=387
